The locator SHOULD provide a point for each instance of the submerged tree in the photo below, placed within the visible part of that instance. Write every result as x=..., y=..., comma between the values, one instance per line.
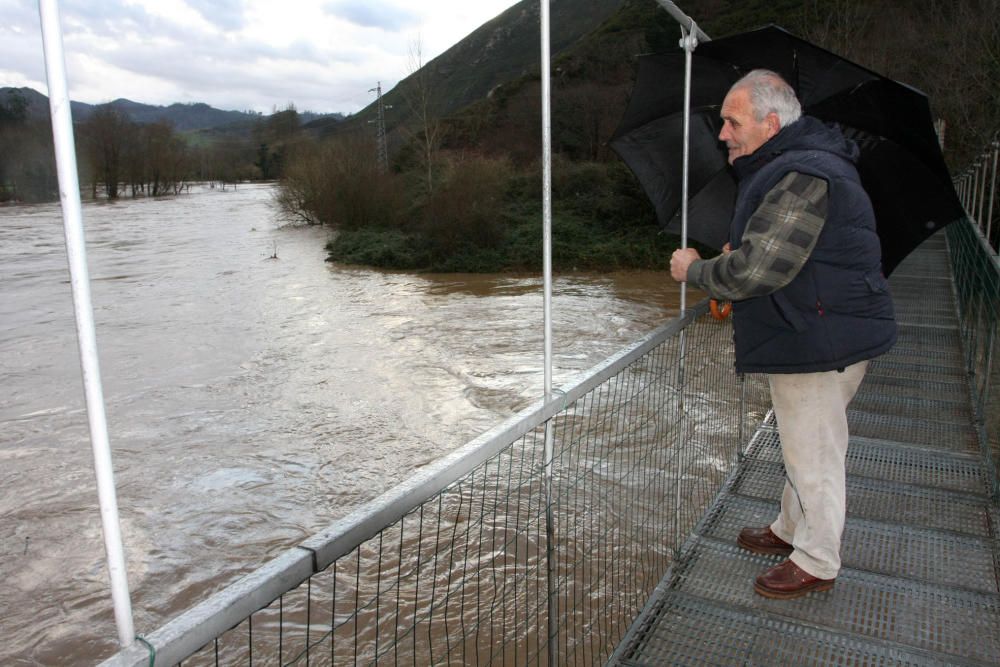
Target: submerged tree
x=276, y=138
x=105, y=134
x=27, y=168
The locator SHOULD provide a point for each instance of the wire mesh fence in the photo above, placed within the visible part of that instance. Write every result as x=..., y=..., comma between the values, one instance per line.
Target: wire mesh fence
x=453, y=568
x=976, y=272
x=977, y=187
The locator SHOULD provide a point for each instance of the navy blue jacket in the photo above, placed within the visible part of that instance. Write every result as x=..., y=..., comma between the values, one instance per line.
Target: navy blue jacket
x=837, y=310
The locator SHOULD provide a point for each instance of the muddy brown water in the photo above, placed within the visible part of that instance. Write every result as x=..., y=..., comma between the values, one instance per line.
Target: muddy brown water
x=254, y=393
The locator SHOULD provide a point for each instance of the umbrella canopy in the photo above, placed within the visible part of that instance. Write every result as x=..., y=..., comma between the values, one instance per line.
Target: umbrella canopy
x=901, y=165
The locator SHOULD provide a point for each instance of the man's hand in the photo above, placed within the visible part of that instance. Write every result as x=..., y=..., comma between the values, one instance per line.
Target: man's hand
x=680, y=261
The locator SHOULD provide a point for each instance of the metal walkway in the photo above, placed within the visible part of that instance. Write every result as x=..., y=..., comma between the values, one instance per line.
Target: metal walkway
x=921, y=553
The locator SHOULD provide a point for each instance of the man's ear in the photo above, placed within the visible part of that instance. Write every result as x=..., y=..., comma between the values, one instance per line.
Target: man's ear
x=773, y=124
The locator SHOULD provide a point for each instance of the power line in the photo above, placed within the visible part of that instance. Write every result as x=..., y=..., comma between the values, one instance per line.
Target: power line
x=381, y=149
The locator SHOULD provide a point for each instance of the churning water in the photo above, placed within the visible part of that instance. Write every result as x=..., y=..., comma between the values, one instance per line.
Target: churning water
x=254, y=393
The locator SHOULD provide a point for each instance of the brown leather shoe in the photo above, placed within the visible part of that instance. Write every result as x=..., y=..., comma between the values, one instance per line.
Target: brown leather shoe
x=763, y=541
x=786, y=580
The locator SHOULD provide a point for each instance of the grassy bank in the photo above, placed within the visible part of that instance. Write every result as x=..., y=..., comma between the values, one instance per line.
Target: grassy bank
x=578, y=243
x=480, y=214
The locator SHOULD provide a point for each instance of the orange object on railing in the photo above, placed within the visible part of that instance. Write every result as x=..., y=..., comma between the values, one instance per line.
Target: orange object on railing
x=720, y=311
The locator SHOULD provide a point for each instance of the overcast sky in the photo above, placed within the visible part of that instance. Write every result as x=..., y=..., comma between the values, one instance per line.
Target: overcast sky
x=321, y=55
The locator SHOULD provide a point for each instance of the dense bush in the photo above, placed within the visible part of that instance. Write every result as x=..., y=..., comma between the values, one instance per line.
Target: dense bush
x=484, y=213
x=338, y=184
x=464, y=211
x=378, y=247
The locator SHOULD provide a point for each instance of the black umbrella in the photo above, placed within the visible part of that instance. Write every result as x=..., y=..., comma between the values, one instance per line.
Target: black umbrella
x=901, y=165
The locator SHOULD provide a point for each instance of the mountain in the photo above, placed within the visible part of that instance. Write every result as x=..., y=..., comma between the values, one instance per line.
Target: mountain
x=502, y=49
x=184, y=117
x=38, y=104
x=485, y=88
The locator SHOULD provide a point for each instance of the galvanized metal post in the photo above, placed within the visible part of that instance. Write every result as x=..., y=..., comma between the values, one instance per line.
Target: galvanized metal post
x=741, y=432
x=684, y=20
x=993, y=196
x=982, y=198
x=69, y=195
x=550, y=565
x=689, y=42
x=971, y=208
x=977, y=193
x=691, y=34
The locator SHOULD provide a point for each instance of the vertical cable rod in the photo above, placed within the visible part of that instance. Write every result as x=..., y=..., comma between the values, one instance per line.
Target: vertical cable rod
x=993, y=195
x=982, y=196
x=689, y=42
x=546, y=73
x=76, y=251
x=975, y=194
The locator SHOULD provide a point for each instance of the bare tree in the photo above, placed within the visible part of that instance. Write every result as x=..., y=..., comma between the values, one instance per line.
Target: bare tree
x=950, y=49
x=106, y=133
x=590, y=112
x=418, y=92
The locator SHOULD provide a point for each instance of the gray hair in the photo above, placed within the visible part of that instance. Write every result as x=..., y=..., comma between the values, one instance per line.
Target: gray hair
x=769, y=93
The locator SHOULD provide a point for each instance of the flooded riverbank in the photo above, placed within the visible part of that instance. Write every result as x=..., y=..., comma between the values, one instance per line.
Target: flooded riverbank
x=254, y=392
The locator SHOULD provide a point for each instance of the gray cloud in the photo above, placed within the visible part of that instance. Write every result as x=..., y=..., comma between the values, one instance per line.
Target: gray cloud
x=117, y=50
x=225, y=14
x=256, y=76
x=368, y=14
x=19, y=14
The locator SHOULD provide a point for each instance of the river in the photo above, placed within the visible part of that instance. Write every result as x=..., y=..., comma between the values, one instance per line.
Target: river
x=254, y=393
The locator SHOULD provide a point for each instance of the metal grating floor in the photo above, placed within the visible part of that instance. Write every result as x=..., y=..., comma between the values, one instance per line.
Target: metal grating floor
x=920, y=583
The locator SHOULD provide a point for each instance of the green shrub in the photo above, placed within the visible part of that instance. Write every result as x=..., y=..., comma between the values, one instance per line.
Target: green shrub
x=463, y=214
x=338, y=184
x=379, y=247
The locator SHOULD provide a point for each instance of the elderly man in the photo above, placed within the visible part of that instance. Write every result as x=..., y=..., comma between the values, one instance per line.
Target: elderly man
x=810, y=306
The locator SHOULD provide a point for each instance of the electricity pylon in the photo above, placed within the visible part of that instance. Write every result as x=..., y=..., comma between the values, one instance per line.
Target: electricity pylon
x=381, y=150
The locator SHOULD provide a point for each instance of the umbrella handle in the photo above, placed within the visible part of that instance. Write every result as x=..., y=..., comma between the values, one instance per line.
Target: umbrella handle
x=720, y=310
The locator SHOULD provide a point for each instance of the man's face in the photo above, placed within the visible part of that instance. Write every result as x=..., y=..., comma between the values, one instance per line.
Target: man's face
x=743, y=133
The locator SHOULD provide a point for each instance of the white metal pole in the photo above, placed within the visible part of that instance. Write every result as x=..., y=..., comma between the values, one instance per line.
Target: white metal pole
x=993, y=196
x=688, y=42
x=69, y=195
x=547, y=194
x=546, y=67
x=975, y=194
x=686, y=21
x=982, y=198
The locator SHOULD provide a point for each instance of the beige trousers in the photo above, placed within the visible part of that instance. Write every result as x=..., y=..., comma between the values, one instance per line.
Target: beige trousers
x=811, y=409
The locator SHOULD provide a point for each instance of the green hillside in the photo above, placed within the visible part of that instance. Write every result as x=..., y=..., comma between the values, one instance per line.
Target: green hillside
x=463, y=189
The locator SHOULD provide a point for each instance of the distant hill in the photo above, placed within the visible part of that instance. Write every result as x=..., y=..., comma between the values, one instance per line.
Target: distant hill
x=184, y=117
x=502, y=49
x=485, y=87
x=38, y=104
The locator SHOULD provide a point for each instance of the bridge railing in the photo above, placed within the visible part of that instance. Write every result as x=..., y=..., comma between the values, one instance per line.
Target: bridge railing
x=976, y=269
x=977, y=187
x=974, y=244
x=451, y=566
